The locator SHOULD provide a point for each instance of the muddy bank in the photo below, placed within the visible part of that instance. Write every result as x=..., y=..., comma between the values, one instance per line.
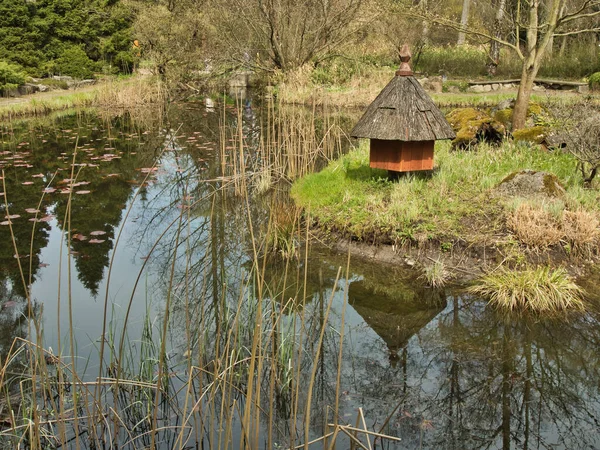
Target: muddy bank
x=465, y=261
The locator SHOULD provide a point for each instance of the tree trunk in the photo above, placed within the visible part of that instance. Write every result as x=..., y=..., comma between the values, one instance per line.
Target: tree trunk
x=495, y=45
x=525, y=88
x=464, y=21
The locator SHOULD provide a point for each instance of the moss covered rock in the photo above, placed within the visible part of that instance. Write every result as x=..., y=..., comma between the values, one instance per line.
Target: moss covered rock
x=530, y=183
x=473, y=126
x=536, y=134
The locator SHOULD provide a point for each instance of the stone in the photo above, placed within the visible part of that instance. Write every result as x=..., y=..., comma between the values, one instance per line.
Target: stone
x=454, y=89
x=12, y=92
x=583, y=89
x=473, y=126
x=530, y=183
x=28, y=88
x=478, y=89
x=495, y=86
x=42, y=87
x=506, y=104
x=538, y=88
x=80, y=83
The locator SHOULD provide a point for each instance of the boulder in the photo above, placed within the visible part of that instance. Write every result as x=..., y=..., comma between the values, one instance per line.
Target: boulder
x=81, y=83
x=473, y=126
x=583, y=89
x=530, y=183
x=28, y=88
x=536, y=134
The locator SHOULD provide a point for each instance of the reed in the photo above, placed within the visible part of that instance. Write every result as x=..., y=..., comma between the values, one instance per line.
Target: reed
x=249, y=355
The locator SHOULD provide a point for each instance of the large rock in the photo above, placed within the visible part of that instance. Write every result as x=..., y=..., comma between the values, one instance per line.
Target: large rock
x=28, y=88
x=480, y=88
x=530, y=183
x=473, y=126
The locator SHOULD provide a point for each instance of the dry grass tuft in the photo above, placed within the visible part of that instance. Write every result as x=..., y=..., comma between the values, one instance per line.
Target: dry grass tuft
x=547, y=224
x=535, y=226
x=580, y=228
x=542, y=290
x=134, y=92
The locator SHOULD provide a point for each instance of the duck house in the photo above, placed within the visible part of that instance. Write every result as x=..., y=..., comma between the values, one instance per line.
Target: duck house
x=403, y=124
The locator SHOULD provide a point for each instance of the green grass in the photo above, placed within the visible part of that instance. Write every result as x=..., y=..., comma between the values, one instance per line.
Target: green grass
x=541, y=290
x=452, y=203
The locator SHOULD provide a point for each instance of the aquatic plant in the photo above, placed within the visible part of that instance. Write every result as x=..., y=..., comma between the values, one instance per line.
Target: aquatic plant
x=540, y=289
x=243, y=367
x=436, y=274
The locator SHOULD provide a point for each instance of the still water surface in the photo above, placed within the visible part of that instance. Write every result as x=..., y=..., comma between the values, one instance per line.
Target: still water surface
x=435, y=368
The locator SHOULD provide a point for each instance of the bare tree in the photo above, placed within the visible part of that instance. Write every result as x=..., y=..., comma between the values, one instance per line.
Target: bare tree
x=579, y=131
x=540, y=21
x=285, y=33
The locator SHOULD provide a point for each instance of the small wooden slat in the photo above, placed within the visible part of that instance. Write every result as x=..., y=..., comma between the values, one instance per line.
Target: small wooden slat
x=401, y=156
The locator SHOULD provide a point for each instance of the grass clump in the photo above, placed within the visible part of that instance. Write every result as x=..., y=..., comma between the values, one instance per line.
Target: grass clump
x=436, y=274
x=541, y=290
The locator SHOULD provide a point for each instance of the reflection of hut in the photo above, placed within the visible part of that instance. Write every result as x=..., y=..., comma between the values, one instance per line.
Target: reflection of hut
x=395, y=315
x=403, y=124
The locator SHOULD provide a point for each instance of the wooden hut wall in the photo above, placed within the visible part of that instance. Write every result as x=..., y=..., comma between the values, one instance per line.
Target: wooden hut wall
x=401, y=156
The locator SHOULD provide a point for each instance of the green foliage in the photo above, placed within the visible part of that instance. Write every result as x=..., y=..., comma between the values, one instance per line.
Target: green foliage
x=594, y=81
x=35, y=34
x=541, y=290
x=10, y=76
x=462, y=86
x=463, y=61
x=74, y=62
x=335, y=72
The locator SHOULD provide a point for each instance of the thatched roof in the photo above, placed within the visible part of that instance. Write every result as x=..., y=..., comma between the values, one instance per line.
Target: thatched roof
x=403, y=112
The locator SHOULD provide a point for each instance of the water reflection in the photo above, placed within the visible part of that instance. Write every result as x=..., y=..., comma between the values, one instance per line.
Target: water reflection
x=431, y=367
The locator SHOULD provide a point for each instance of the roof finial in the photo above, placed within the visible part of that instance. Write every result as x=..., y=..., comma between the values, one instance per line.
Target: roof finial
x=404, y=70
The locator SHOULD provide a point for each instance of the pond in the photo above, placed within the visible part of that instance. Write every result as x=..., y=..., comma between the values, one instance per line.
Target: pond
x=141, y=248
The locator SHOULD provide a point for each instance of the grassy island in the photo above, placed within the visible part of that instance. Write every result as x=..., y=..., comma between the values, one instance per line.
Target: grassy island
x=457, y=204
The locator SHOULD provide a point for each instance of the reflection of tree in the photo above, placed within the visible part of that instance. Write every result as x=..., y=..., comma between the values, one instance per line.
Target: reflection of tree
x=486, y=381
x=101, y=210
x=14, y=318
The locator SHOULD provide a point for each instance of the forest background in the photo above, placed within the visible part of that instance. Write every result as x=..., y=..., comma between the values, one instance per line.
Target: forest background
x=327, y=41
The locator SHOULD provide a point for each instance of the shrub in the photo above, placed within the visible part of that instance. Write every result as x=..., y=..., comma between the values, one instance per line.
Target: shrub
x=594, y=81
x=578, y=129
x=334, y=72
x=463, y=61
x=10, y=76
x=538, y=290
x=75, y=63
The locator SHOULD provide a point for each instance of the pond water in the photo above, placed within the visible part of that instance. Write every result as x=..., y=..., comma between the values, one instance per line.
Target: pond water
x=141, y=224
